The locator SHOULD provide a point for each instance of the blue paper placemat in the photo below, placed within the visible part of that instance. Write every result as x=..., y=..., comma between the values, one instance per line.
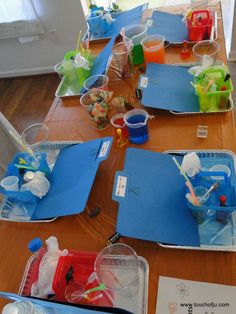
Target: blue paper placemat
x=168, y=25
x=152, y=204
x=101, y=61
x=168, y=87
x=72, y=178
x=126, y=18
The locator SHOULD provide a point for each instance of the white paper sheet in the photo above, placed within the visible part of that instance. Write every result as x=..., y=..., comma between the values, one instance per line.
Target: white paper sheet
x=178, y=296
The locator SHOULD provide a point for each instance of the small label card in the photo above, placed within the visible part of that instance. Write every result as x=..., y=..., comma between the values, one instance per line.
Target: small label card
x=179, y=296
x=202, y=131
x=144, y=82
x=104, y=149
x=149, y=22
x=121, y=186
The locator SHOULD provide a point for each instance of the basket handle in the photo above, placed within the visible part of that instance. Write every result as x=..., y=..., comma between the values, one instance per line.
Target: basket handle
x=214, y=174
x=200, y=11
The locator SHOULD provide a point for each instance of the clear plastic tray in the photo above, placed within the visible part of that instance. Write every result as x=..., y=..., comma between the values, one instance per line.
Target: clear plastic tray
x=221, y=232
x=52, y=149
x=137, y=303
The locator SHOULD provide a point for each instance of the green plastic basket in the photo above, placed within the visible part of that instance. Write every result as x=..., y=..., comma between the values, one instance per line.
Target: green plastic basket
x=213, y=100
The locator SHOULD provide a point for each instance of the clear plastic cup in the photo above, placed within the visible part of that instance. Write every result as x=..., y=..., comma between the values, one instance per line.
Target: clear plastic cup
x=34, y=135
x=122, y=58
x=206, y=47
x=153, y=48
x=117, y=266
x=99, y=81
x=95, y=101
x=10, y=183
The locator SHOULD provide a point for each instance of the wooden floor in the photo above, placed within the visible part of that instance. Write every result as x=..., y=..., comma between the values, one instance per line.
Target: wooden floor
x=25, y=101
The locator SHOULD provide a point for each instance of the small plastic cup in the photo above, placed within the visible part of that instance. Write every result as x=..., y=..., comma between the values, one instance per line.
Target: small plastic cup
x=136, y=121
x=206, y=47
x=199, y=214
x=96, y=103
x=117, y=266
x=57, y=68
x=74, y=292
x=117, y=121
x=99, y=81
x=122, y=58
x=88, y=99
x=10, y=183
x=153, y=48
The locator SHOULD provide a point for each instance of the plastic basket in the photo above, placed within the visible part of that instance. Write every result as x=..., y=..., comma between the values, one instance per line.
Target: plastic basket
x=206, y=179
x=199, y=25
x=213, y=100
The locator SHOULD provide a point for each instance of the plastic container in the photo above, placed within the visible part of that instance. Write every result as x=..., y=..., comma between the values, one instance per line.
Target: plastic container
x=200, y=25
x=99, y=81
x=82, y=278
x=153, y=48
x=88, y=99
x=206, y=47
x=211, y=202
x=10, y=183
x=122, y=58
x=117, y=267
x=136, y=33
x=97, y=24
x=136, y=121
x=23, y=307
x=213, y=100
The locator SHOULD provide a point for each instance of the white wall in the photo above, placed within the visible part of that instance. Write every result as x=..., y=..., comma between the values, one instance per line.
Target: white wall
x=62, y=20
x=232, y=52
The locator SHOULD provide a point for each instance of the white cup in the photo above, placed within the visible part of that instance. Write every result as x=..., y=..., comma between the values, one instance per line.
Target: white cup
x=10, y=183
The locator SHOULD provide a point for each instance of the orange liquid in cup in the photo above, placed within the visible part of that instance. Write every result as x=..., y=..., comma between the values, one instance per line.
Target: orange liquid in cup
x=157, y=56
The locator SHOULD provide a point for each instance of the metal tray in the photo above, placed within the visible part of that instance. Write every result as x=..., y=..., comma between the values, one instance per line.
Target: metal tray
x=229, y=158
x=137, y=303
x=52, y=149
x=66, y=91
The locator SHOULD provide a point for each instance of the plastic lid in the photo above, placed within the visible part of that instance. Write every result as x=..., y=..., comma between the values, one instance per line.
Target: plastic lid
x=35, y=244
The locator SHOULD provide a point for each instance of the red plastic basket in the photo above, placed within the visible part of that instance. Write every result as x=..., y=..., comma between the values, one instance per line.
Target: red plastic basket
x=200, y=25
x=82, y=264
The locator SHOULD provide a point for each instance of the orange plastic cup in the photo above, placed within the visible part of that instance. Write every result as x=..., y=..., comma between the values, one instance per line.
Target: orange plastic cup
x=153, y=48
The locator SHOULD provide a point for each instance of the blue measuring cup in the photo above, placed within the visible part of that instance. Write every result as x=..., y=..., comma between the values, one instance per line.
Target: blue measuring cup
x=136, y=121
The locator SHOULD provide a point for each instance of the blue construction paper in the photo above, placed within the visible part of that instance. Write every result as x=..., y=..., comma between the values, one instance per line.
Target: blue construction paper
x=126, y=18
x=60, y=308
x=168, y=25
x=154, y=206
x=101, y=61
x=72, y=178
x=169, y=88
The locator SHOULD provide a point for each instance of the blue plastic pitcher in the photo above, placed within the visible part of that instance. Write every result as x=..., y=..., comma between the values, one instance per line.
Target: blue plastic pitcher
x=136, y=121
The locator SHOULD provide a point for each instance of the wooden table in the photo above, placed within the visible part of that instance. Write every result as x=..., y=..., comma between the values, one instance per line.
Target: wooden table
x=67, y=120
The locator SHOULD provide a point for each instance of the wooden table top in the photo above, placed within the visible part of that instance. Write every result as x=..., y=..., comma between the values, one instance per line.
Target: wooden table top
x=67, y=120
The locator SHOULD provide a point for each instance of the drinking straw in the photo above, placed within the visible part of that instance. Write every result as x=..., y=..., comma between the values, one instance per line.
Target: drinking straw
x=188, y=183
x=78, y=40
x=26, y=148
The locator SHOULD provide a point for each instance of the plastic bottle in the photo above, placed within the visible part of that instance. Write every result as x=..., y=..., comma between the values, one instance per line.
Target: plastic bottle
x=22, y=307
x=47, y=267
